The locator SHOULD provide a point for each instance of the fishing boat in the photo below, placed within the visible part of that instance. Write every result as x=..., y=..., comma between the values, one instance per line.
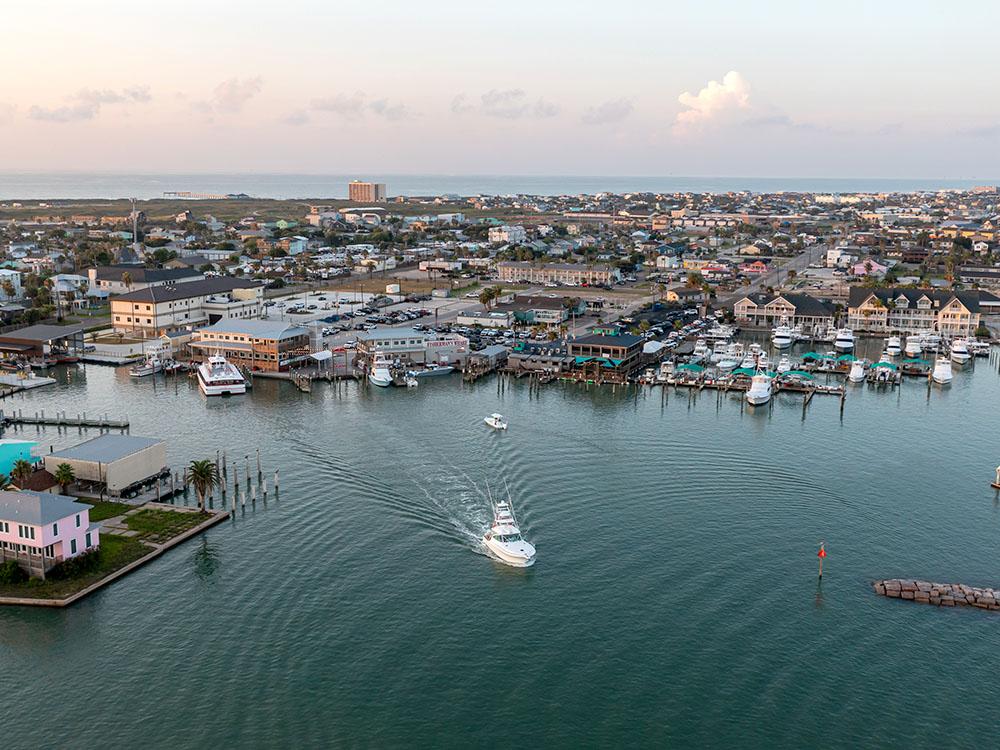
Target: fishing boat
x=760, y=389
x=220, y=377
x=150, y=366
x=978, y=348
x=930, y=341
x=380, y=374
x=701, y=348
x=942, y=371
x=914, y=346
x=784, y=365
x=828, y=336
x=960, y=353
x=781, y=336
x=504, y=540
x=857, y=373
x=432, y=370
x=732, y=358
x=892, y=346
x=496, y=421
x=720, y=332
x=844, y=341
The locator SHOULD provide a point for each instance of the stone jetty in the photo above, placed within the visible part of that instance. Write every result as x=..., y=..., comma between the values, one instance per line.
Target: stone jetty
x=941, y=594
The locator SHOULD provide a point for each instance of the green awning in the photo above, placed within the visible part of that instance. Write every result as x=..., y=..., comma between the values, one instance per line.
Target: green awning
x=800, y=374
x=915, y=362
x=582, y=360
x=691, y=367
x=890, y=365
x=812, y=355
x=846, y=358
x=745, y=371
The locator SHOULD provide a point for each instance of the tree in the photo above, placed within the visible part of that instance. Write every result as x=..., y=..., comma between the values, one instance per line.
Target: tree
x=203, y=476
x=694, y=279
x=65, y=476
x=21, y=470
x=4, y=482
x=127, y=280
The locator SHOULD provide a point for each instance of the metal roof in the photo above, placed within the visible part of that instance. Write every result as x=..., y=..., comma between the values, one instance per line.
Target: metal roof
x=392, y=333
x=259, y=329
x=42, y=333
x=107, y=448
x=187, y=289
x=37, y=508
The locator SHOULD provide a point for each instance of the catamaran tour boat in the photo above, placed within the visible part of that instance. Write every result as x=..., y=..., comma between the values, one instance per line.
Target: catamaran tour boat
x=781, y=336
x=760, y=389
x=892, y=346
x=496, y=421
x=380, y=374
x=219, y=377
x=504, y=538
x=151, y=366
x=857, y=373
x=942, y=371
x=844, y=341
x=960, y=351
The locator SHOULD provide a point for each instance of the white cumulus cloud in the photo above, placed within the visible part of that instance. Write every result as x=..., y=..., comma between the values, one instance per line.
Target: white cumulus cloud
x=230, y=95
x=714, y=103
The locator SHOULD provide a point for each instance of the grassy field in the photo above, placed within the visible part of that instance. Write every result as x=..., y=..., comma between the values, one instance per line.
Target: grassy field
x=103, y=510
x=114, y=553
x=158, y=526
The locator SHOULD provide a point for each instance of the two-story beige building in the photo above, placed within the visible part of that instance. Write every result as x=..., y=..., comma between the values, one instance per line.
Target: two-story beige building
x=156, y=310
x=766, y=310
x=949, y=313
x=563, y=273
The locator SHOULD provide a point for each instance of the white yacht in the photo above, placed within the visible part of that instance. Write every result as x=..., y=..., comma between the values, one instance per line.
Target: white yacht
x=760, y=389
x=978, y=348
x=504, y=538
x=828, y=336
x=844, y=341
x=857, y=373
x=781, y=336
x=784, y=364
x=930, y=341
x=496, y=421
x=701, y=348
x=219, y=377
x=720, y=332
x=150, y=366
x=942, y=371
x=380, y=374
x=892, y=346
x=913, y=346
x=732, y=358
x=960, y=351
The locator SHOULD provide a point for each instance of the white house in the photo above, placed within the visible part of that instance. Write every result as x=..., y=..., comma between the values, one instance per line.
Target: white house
x=14, y=277
x=507, y=233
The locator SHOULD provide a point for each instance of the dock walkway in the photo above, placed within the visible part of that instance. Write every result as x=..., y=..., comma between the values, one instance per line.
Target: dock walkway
x=62, y=419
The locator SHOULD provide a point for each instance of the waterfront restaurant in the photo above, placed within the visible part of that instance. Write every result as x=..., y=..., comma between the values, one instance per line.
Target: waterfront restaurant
x=620, y=353
x=40, y=529
x=258, y=345
x=414, y=347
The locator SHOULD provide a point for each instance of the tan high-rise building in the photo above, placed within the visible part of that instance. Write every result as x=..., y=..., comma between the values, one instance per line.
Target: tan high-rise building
x=366, y=192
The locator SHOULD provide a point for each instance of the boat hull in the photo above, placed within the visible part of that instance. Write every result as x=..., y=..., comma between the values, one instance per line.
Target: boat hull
x=501, y=554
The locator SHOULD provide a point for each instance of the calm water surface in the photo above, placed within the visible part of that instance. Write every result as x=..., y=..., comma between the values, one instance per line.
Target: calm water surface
x=674, y=601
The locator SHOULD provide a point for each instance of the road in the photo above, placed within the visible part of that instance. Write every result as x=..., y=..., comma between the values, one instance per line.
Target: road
x=799, y=263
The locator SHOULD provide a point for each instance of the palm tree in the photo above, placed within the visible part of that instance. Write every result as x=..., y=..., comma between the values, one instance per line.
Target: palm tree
x=5, y=482
x=65, y=476
x=204, y=475
x=21, y=470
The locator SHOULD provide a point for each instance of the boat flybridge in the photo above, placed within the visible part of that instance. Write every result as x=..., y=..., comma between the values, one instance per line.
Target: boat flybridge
x=844, y=341
x=960, y=353
x=220, y=377
x=496, y=421
x=380, y=374
x=759, y=392
x=781, y=336
x=892, y=346
x=504, y=540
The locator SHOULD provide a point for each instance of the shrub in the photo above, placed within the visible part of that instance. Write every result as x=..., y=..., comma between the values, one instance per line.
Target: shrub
x=76, y=566
x=11, y=572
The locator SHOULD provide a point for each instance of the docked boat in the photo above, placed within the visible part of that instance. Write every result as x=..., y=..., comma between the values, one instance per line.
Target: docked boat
x=914, y=345
x=978, y=348
x=380, y=373
x=828, y=336
x=893, y=346
x=720, y=332
x=760, y=389
x=844, y=341
x=432, y=371
x=496, y=421
x=150, y=366
x=942, y=371
x=784, y=365
x=504, y=538
x=930, y=341
x=220, y=377
x=732, y=358
x=411, y=382
x=701, y=348
x=857, y=373
x=960, y=353
x=781, y=336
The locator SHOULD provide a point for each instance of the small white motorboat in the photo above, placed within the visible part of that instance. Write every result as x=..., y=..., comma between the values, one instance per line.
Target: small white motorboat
x=504, y=538
x=857, y=373
x=760, y=389
x=960, y=353
x=496, y=421
x=411, y=382
x=893, y=347
x=914, y=346
x=942, y=371
x=150, y=366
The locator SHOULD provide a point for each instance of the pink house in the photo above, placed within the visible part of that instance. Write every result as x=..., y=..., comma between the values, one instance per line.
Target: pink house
x=40, y=529
x=868, y=267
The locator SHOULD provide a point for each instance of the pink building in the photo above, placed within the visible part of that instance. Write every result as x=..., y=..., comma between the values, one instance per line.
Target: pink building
x=868, y=267
x=40, y=529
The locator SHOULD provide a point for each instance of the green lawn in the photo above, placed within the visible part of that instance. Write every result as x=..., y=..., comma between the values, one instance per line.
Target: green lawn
x=156, y=525
x=114, y=553
x=102, y=510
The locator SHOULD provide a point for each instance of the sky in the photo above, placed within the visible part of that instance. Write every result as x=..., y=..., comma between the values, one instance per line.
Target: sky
x=764, y=89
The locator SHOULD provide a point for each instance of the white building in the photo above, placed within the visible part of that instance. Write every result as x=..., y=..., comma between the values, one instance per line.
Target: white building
x=14, y=277
x=508, y=234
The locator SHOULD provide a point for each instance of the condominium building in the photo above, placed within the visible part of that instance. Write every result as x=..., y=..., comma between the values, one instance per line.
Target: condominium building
x=914, y=310
x=562, y=273
x=367, y=192
x=156, y=310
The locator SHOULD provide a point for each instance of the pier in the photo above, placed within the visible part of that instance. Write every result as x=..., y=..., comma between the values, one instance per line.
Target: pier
x=940, y=594
x=63, y=419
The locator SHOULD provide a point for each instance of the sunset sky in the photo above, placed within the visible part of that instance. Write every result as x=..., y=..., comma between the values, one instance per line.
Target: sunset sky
x=851, y=89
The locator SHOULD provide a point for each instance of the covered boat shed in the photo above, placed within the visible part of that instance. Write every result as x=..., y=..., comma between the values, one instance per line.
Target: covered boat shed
x=119, y=464
x=42, y=340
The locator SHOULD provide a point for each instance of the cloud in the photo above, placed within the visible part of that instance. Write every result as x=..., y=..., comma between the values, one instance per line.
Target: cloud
x=985, y=132
x=86, y=104
x=349, y=107
x=505, y=104
x=299, y=117
x=714, y=103
x=230, y=95
x=608, y=112
x=394, y=112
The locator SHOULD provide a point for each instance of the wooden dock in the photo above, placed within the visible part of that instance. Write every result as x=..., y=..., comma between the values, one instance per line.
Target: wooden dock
x=62, y=419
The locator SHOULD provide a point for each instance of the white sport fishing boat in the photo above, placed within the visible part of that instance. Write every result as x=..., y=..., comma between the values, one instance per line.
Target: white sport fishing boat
x=219, y=377
x=432, y=370
x=784, y=365
x=496, y=421
x=504, y=538
x=380, y=374
x=781, y=336
x=960, y=353
x=844, y=341
x=892, y=346
x=914, y=346
x=942, y=371
x=978, y=348
x=150, y=366
x=760, y=389
x=857, y=373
